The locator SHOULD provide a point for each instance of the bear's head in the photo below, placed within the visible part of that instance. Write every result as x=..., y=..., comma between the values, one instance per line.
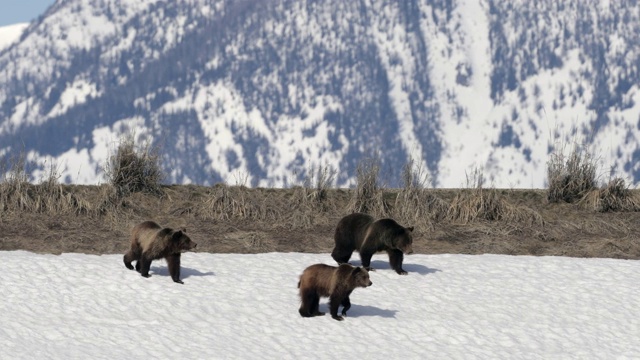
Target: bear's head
x=360, y=277
x=403, y=241
x=181, y=240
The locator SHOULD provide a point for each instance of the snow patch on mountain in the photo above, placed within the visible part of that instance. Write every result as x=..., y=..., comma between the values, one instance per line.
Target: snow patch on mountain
x=74, y=95
x=460, y=66
x=10, y=34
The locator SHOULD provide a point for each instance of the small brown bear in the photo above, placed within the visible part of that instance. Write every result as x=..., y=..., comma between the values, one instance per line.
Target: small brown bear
x=149, y=241
x=337, y=283
x=360, y=232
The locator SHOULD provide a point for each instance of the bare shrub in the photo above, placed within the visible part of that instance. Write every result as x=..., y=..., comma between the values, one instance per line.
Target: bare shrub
x=368, y=195
x=571, y=176
x=615, y=196
x=414, y=203
x=134, y=168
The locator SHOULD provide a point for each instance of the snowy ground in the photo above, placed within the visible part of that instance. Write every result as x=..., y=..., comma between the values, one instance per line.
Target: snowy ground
x=76, y=306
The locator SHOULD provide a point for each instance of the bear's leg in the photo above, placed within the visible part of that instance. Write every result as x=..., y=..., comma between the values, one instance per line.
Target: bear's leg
x=305, y=303
x=128, y=258
x=334, y=304
x=316, y=307
x=145, y=266
x=341, y=255
x=395, y=260
x=138, y=265
x=310, y=304
x=346, y=305
x=365, y=257
x=173, y=262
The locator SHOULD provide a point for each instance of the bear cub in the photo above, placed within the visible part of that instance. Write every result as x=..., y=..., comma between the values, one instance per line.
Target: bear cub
x=149, y=241
x=337, y=283
x=360, y=232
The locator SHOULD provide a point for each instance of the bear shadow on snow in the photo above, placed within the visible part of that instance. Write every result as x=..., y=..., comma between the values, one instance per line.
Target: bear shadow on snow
x=365, y=311
x=186, y=272
x=383, y=265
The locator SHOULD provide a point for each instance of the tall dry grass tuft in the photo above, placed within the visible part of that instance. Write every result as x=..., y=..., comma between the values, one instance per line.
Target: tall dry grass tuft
x=311, y=200
x=134, y=168
x=49, y=196
x=18, y=195
x=572, y=176
x=479, y=203
x=414, y=203
x=14, y=185
x=238, y=203
x=368, y=195
x=615, y=196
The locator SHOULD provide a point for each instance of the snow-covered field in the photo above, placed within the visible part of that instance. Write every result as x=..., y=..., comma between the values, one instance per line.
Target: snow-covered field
x=76, y=306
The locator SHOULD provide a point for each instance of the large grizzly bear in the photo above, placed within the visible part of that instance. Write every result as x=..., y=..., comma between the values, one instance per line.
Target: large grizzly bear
x=149, y=241
x=360, y=232
x=337, y=283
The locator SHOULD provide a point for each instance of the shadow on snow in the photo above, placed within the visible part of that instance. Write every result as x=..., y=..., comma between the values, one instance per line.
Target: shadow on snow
x=185, y=272
x=410, y=268
x=361, y=311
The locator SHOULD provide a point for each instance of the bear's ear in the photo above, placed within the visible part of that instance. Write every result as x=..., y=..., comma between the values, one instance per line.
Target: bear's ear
x=356, y=271
x=410, y=228
x=176, y=235
x=184, y=230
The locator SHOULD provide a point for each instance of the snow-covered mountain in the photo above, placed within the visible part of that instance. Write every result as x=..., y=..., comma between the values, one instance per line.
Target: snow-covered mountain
x=264, y=90
x=10, y=34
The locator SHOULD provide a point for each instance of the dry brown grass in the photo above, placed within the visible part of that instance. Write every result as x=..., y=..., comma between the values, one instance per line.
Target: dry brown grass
x=237, y=223
x=571, y=176
x=477, y=203
x=239, y=203
x=415, y=205
x=613, y=197
x=18, y=195
x=368, y=194
x=471, y=205
x=310, y=202
x=55, y=218
x=134, y=168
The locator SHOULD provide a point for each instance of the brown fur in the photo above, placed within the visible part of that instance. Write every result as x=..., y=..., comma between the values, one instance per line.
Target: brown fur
x=360, y=232
x=336, y=283
x=149, y=241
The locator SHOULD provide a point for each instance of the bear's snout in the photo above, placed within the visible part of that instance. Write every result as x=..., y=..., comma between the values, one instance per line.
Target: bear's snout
x=370, y=283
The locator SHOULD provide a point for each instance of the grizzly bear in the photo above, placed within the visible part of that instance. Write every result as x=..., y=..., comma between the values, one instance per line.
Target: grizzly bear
x=337, y=283
x=360, y=232
x=149, y=241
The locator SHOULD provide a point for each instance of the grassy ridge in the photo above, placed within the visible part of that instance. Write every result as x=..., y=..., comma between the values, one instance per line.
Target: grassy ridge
x=572, y=217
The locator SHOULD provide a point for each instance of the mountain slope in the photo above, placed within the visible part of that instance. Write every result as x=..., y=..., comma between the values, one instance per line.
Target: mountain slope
x=10, y=34
x=264, y=91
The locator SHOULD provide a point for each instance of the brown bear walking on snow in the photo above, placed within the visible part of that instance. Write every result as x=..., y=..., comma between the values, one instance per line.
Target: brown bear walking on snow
x=360, y=232
x=149, y=241
x=337, y=283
